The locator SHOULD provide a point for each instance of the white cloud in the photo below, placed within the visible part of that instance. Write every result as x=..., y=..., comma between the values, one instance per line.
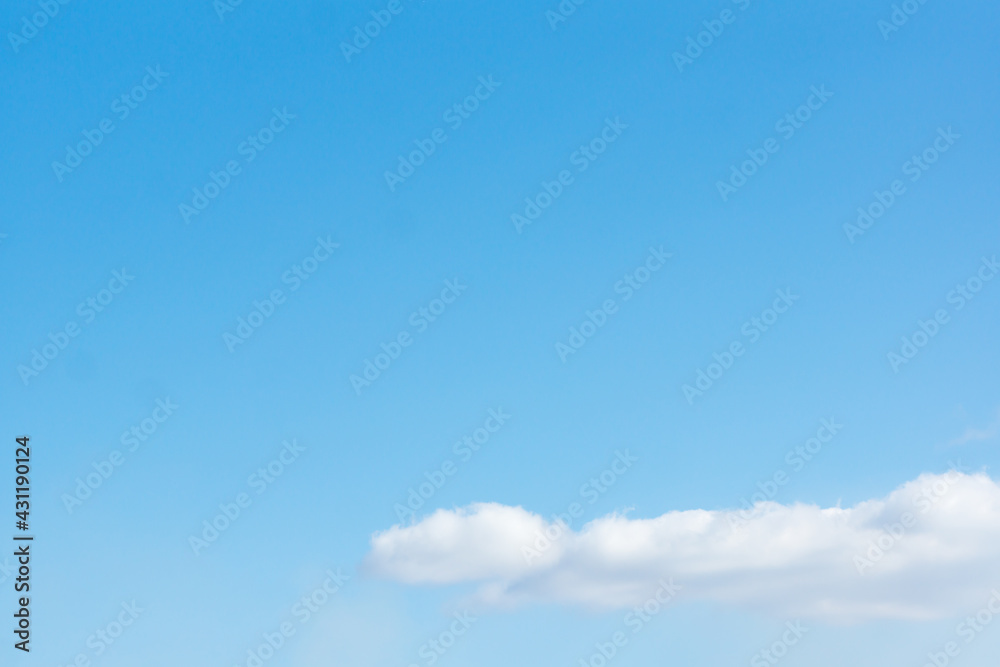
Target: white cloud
x=978, y=434
x=796, y=560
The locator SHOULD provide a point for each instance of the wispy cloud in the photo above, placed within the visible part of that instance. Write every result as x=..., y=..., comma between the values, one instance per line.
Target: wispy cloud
x=978, y=434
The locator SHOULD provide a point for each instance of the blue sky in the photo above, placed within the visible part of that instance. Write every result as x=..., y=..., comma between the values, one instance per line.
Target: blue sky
x=299, y=223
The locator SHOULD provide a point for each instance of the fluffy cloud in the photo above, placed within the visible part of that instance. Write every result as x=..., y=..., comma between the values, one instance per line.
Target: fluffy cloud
x=929, y=549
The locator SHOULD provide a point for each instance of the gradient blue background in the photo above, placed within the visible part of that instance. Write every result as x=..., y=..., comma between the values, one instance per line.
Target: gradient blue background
x=162, y=337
